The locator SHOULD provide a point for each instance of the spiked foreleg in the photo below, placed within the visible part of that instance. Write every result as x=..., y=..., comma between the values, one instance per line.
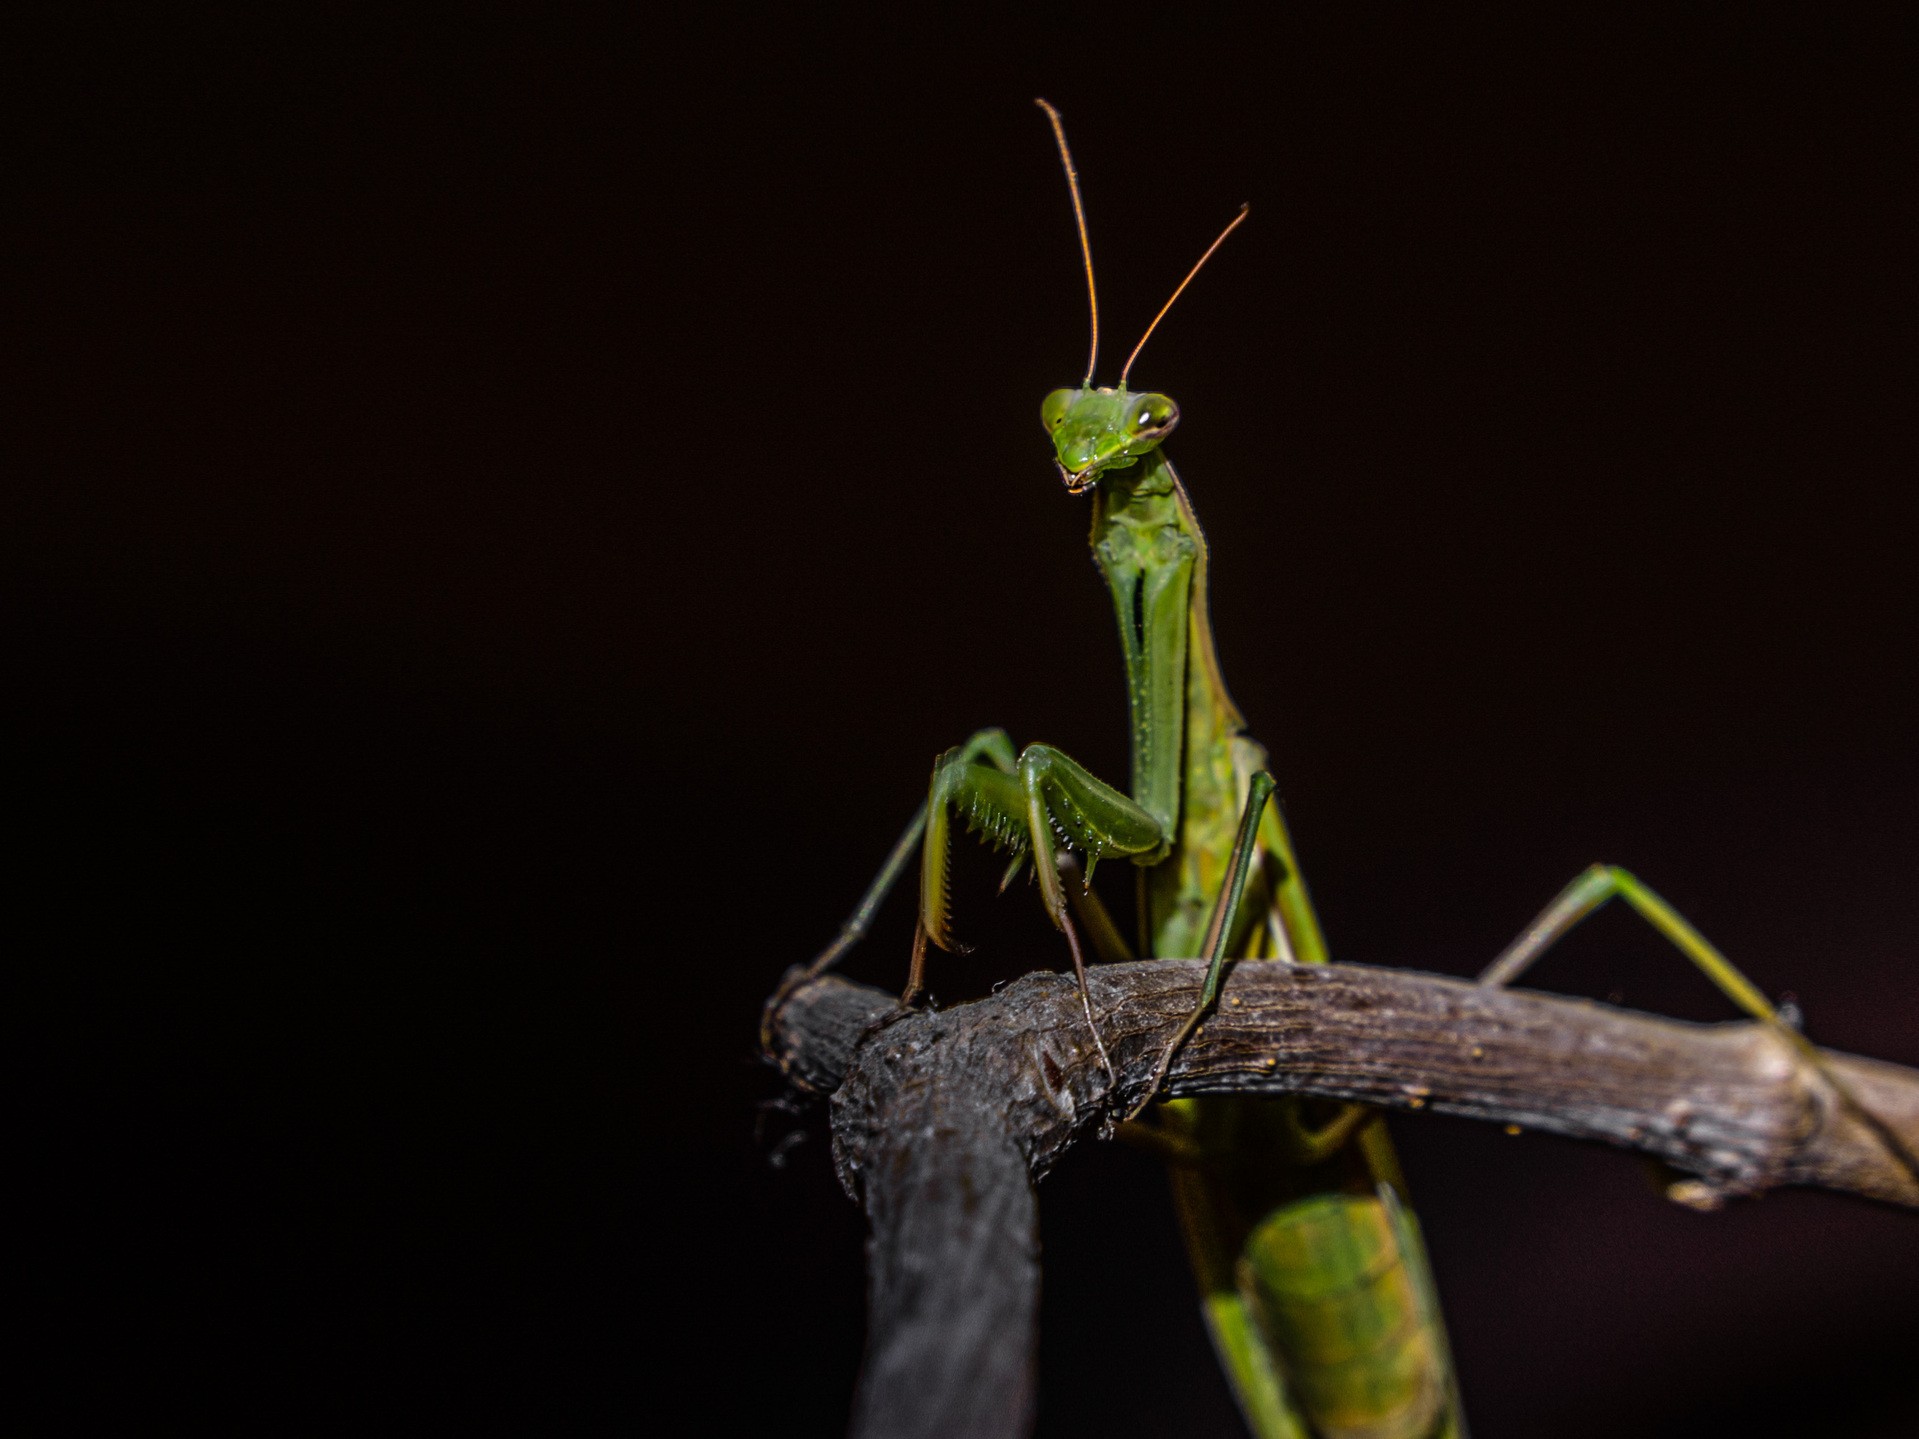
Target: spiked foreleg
x=991, y=745
x=1047, y=804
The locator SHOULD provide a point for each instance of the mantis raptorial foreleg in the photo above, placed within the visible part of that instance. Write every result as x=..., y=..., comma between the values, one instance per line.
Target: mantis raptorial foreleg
x=990, y=743
x=1036, y=803
x=1603, y=882
x=1043, y=802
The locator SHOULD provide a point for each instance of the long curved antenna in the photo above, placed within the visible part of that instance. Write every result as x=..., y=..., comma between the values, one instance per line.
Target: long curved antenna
x=1237, y=219
x=1085, y=245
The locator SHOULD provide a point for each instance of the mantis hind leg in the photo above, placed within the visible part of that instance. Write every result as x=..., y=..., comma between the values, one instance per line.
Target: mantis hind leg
x=1603, y=882
x=1594, y=888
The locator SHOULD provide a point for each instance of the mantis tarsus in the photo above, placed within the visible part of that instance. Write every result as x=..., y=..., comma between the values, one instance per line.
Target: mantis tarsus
x=1313, y=1279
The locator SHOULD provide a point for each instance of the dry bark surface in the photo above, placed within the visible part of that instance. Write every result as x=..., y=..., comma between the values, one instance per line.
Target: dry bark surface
x=943, y=1121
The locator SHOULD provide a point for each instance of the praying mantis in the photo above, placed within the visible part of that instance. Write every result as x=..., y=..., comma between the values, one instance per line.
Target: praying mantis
x=1313, y=1278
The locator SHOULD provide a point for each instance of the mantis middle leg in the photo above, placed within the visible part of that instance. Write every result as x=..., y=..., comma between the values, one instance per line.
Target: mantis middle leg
x=1220, y=930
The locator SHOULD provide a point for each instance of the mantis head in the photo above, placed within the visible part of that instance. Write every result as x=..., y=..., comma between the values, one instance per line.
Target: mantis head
x=1095, y=430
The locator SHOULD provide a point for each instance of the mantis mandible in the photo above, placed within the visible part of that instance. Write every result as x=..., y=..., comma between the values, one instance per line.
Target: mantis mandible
x=1314, y=1282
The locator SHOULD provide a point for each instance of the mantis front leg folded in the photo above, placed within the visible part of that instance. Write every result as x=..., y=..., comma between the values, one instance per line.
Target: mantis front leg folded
x=1034, y=803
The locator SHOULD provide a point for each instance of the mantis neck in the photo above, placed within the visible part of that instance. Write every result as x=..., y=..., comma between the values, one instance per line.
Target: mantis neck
x=1185, y=728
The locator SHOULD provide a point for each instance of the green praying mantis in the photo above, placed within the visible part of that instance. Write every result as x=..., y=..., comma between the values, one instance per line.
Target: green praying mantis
x=1313, y=1279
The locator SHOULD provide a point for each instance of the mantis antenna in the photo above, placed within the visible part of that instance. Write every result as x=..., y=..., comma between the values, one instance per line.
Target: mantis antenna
x=1237, y=219
x=1085, y=245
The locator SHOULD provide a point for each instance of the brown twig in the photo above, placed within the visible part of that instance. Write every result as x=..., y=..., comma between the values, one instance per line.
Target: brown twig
x=941, y=1121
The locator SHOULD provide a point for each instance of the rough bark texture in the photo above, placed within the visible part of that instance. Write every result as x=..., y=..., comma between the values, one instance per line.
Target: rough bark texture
x=943, y=1121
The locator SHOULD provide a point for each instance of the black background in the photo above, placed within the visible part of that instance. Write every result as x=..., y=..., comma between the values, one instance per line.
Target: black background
x=503, y=507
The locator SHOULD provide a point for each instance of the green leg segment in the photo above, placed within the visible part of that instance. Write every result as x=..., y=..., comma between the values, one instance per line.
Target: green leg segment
x=855, y=928
x=1041, y=803
x=1601, y=883
x=1292, y=923
x=1225, y=918
x=990, y=744
x=1101, y=928
x=1037, y=803
x=1586, y=894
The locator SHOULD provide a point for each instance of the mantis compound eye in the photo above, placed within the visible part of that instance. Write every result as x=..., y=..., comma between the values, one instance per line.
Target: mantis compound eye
x=1052, y=414
x=1155, y=415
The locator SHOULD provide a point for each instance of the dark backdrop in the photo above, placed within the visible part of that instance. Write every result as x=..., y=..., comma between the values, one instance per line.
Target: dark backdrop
x=504, y=506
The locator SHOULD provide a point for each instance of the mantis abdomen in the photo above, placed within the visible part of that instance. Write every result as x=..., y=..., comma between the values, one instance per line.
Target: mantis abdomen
x=1338, y=1285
